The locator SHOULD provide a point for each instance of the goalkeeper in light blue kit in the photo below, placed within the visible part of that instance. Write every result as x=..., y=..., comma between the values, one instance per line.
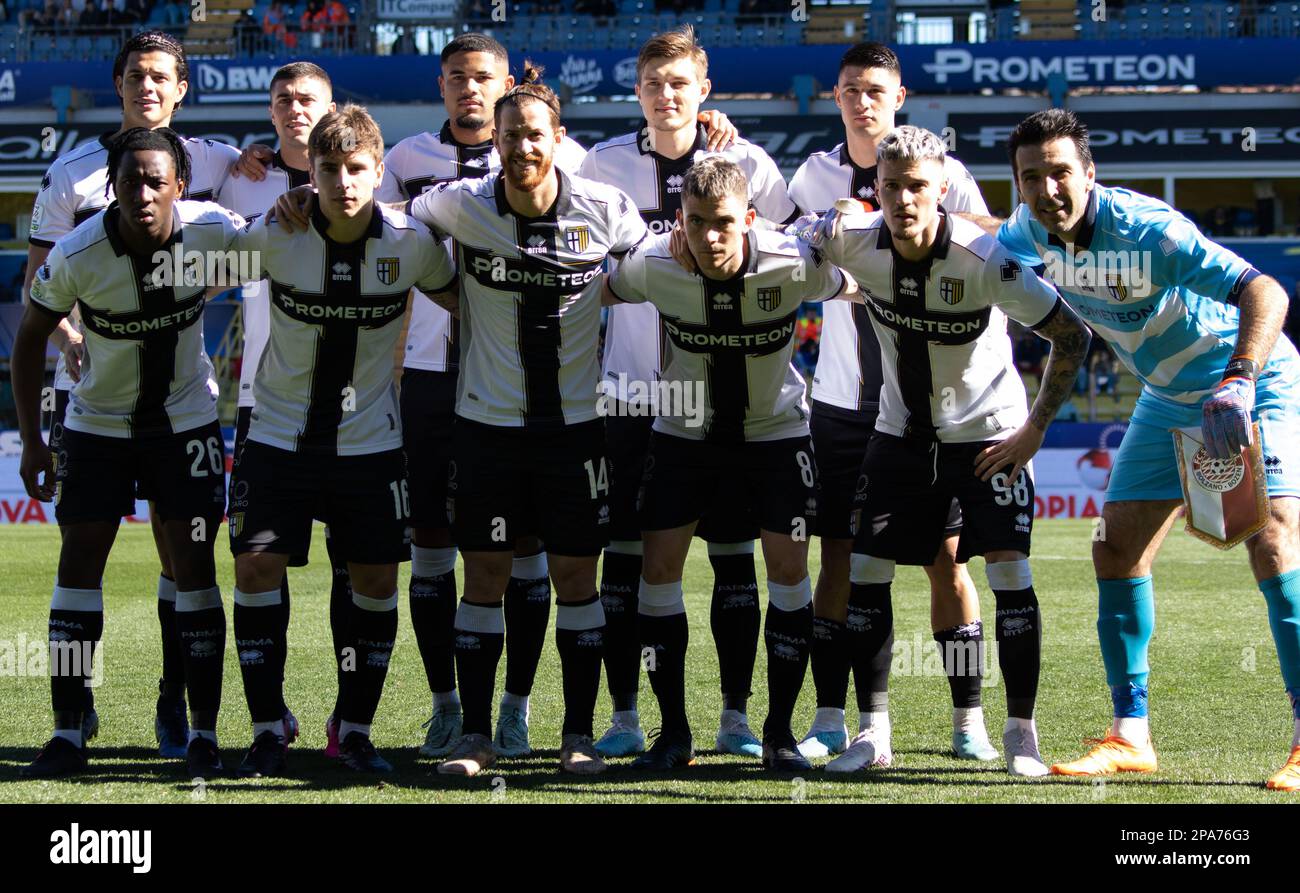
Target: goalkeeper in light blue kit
x=1201, y=329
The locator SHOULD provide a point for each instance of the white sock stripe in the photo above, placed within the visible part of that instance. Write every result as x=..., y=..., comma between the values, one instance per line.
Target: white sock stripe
x=166, y=590
x=790, y=598
x=660, y=595
x=626, y=547
x=746, y=548
x=530, y=567
x=77, y=599
x=432, y=562
x=474, y=618
x=1009, y=576
x=378, y=605
x=867, y=569
x=257, y=599
x=198, y=600
x=580, y=617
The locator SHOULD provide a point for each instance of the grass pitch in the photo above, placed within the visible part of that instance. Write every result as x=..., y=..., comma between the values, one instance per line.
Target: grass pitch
x=1220, y=716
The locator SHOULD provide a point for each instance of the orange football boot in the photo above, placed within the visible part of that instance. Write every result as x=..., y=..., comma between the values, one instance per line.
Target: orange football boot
x=1288, y=777
x=1110, y=755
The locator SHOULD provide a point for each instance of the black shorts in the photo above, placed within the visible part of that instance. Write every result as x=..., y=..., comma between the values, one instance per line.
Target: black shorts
x=504, y=483
x=906, y=494
x=99, y=477
x=275, y=495
x=628, y=439
x=54, y=424
x=243, y=420
x=428, y=403
x=771, y=484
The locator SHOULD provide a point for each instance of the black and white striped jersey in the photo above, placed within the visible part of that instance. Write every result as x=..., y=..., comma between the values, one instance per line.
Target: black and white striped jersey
x=415, y=165
x=848, y=373
x=251, y=199
x=634, y=342
x=325, y=383
x=76, y=188
x=736, y=335
x=942, y=329
x=530, y=295
x=145, y=370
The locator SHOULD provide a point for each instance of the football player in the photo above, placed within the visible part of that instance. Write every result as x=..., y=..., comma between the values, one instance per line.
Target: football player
x=339, y=293
x=845, y=402
x=953, y=421
x=732, y=326
x=142, y=416
x=1201, y=329
x=151, y=76
x=650, y=165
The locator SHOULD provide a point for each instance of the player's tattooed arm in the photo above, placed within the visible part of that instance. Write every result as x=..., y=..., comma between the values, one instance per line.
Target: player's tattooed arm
x=1069, y=338
x=1263, y=306
x=990, y=225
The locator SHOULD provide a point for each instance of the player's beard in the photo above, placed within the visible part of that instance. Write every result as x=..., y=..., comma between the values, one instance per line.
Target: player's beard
x=471, y=122
x=529, y=181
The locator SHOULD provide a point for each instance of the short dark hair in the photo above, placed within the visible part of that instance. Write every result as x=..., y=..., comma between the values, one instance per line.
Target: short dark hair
x=162, y=139
x=296, y=71
x=347, y=131
x=150, y=42
x=529, y=89
x=475, y=42
x=870, y=55
x=1048, y=125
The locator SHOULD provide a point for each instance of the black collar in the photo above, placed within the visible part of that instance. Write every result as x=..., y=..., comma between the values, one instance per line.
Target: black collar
x=942, y=239
x=120, y=248
x=449, y=139
x=1087, y=226
x=643, y=141
x=562, y=205
x=296, y=177
x=374, y=231
x=846, y=160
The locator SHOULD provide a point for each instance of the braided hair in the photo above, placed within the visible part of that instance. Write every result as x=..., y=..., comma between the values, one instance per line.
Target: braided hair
x=162, y=139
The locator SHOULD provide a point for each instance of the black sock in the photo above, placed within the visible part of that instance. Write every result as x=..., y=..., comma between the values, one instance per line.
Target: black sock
x=788, y=636
x=735, y=618
x=201, y=620
x=668, y=637
x=620, y=578
x=283, y=627
x=259, y=640
x=962, y=650
x=433, y=617
x=830, y=662
x=172, y=684
x=76, y=624
x=1020, y=641
x=870, y=635
x=374, y=630
x=480, y=637
x=340, y=611
x=580, y=639
x=527, y=612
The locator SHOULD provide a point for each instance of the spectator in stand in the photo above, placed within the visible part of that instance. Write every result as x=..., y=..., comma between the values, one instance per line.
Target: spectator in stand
x=137, y=11
x=175, y=14
x=275, y=25
x=312, y=23
x=339, y=23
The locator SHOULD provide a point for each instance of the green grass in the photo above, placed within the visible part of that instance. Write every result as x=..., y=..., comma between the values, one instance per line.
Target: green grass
x=1220, y=716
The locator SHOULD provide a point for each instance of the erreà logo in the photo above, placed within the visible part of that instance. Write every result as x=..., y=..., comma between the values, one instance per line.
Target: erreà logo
x=675, y=183
x=342, y=272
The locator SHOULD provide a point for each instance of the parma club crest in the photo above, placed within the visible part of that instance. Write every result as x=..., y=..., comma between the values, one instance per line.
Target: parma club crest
x=951, y=290
x=386, y=268
x=577, y=238
x=769, y=298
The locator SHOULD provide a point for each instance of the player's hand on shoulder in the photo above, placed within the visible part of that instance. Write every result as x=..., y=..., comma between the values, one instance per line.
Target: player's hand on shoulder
x=1015, y=451
x=681, y=250
x=293, y=209
x=37, y=462
x=73, y=349
x=252, y=162
x=719, y=130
